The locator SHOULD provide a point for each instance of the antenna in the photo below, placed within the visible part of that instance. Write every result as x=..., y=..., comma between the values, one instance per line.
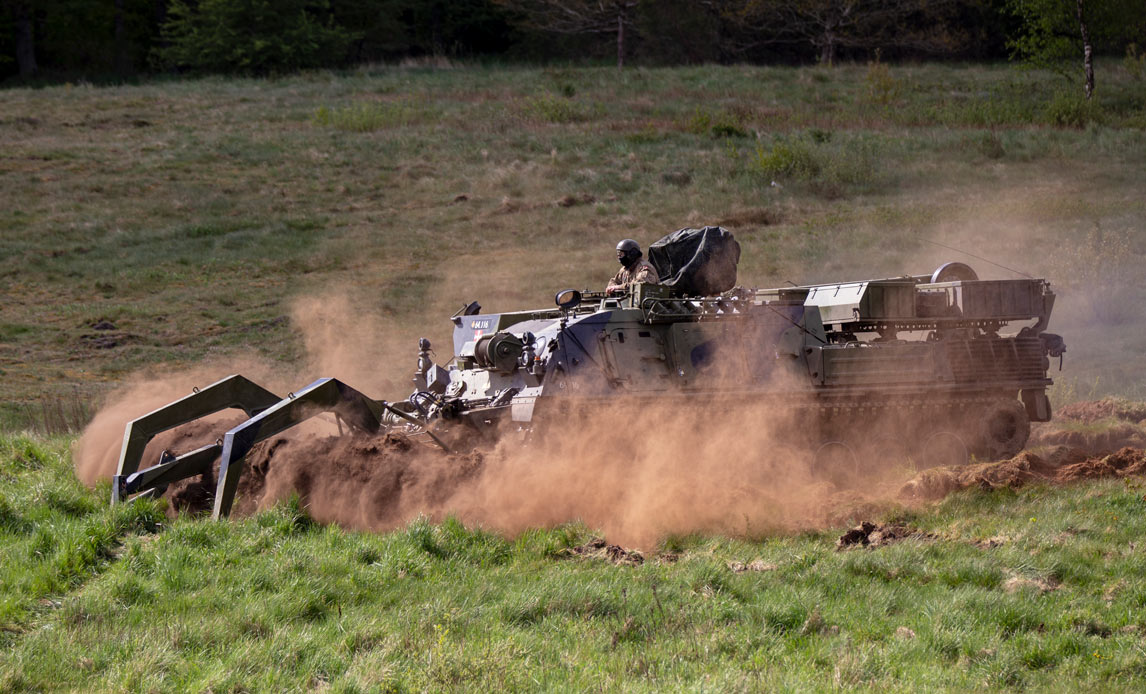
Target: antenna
x=978, y=257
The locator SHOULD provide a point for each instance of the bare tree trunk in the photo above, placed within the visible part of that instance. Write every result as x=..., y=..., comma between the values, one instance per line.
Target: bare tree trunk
x=25, y=41
x=621, y=40
x=1087, y=53
x=828, y=48
x=828, y=40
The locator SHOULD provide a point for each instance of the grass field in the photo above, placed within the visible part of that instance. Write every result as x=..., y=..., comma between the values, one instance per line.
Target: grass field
x=186, y=218
x=319, y=224
x=1039, y=589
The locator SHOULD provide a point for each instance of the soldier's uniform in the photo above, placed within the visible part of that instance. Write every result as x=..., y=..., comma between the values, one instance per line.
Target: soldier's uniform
x=641, y=271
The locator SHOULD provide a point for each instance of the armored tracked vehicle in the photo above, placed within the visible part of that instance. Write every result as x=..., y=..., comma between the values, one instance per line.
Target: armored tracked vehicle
x=934, y=368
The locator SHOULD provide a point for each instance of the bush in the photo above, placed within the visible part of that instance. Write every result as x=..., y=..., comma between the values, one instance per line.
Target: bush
x=882, y=87
x=251, y=36
x=555, y=109
x=991, y=145
x=828, y=166
x=367, y=117
x=1134, y=62
x=790, y=159
x=719, y=124
x=1070, y=111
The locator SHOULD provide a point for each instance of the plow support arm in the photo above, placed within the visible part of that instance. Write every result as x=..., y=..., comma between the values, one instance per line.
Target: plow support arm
x=232, y=391
x=159, y=476
x=324, y=395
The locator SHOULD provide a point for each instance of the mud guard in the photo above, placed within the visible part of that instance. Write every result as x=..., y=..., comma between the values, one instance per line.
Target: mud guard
x=1037, y=404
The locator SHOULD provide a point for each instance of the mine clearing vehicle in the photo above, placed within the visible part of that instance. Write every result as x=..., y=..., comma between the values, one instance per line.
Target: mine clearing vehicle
x=934, y=368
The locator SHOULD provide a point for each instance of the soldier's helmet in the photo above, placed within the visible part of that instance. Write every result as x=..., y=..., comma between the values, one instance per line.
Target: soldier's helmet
x=628, y=252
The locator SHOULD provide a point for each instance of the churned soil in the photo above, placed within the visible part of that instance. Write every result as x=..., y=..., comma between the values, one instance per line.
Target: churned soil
x=1096, y=441
x=1092, y=411
x=598, y=548
x=364, y=481
x=874, y=535
x=360, y=481
x=1099, y=427
x=1058, y=465
x=380, y=482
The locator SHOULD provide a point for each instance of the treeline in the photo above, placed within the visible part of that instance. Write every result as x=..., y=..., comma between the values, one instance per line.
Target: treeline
x=116, y=39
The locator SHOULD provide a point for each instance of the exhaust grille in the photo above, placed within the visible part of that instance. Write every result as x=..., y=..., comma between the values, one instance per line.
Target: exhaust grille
x=997, y=359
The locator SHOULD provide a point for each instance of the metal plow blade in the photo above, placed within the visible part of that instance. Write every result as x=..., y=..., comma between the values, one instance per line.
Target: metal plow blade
x=231, y=392
x=269, y=415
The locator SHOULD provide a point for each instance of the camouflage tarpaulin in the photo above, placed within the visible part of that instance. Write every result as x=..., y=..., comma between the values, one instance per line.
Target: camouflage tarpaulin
x=697, y=261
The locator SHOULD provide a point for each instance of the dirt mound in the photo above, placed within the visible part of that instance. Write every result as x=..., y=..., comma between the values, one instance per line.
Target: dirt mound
x=1095, y=440
x=360, y=481
x=937, y=483
x=1127, y=461
x=1112, y=408
x=871, y=535
x=1099, y=427
x=597, y=548
x=1059, y=465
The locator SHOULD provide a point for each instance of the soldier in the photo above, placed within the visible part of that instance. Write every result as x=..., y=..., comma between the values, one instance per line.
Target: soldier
x=633, y=270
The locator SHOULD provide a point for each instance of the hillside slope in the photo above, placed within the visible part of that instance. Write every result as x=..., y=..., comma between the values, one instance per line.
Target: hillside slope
x=320, y=224
x=1037, y=587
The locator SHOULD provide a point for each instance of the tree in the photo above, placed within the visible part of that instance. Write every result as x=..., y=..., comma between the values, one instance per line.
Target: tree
x=578, y=17
x=687, y=32
x=121, y=59
x=381, y=27
x=1054, y=34
x=80, y=39
x=831, y=25
x=251, y=36
x=21, y=14
x=459, y=27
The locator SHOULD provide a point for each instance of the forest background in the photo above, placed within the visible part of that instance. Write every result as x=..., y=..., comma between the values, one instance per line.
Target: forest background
x=117, y=40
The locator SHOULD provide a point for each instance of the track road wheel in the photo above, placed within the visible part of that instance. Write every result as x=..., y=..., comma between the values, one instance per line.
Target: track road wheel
x=836, y=462
x=884, y=453
x=1004, y=429
x=942, y=449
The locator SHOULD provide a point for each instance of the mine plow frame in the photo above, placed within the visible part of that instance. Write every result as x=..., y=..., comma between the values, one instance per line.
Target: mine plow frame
x=269, y=415
x=232, y=392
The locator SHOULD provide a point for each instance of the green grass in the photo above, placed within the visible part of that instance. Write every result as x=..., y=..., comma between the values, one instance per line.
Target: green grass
x=56, y=533
x=97, y=599
x=368, y=117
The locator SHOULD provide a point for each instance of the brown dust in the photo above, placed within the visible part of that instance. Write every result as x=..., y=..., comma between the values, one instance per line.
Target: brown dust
x=635, y=474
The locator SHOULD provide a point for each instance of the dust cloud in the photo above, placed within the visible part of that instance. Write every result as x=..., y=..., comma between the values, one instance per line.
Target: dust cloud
x=636, y=473
x=634, y=470
x=641, y=473
x=342, y=341
x=96, y=453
